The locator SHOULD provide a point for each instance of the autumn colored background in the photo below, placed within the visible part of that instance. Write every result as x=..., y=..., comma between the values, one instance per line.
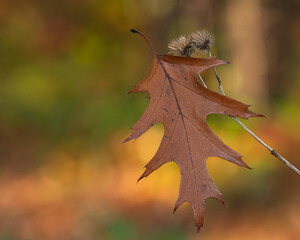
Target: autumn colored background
x=65, y=69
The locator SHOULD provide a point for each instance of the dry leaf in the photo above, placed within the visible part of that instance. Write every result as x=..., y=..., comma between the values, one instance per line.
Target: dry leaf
x=182, y=107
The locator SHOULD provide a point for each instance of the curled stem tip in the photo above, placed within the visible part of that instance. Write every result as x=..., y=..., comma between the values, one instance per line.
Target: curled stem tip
x=146, y=39
x=133, y=30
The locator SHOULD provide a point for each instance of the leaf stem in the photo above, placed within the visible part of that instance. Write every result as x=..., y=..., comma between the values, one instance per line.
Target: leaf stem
x=272, y=151
x=146, y=39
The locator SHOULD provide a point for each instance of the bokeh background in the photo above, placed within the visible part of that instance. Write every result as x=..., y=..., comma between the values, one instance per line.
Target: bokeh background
x=65, y=70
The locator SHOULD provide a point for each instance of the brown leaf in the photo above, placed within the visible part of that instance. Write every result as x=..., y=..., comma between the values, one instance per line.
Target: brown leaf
x=182, y=107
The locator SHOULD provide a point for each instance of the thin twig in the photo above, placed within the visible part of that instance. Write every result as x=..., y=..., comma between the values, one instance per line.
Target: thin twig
x=202, y=80
x=216, y=74
x=272, y=151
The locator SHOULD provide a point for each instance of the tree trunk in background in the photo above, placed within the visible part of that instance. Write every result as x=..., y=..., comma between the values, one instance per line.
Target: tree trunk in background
x=257, y=36
x=283, y=25
x=245, y=31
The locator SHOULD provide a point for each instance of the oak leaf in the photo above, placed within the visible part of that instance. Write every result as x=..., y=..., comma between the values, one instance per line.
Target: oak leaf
x=182, y=107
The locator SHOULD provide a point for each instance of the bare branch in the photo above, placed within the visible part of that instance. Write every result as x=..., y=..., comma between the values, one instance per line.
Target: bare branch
x=272, y=151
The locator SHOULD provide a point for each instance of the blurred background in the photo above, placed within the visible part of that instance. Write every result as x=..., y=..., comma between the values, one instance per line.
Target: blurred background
x=65, y=70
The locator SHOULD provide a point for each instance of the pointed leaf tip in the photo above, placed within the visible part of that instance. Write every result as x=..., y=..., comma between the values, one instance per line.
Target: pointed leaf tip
x=245, y=165
x=222, y=61
x=174, y=210
x=220, y=198
x=134, y=90
x=198, y=228
x=140, y=178
x=250, y=168
x=127, y=139
x=261, y=115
